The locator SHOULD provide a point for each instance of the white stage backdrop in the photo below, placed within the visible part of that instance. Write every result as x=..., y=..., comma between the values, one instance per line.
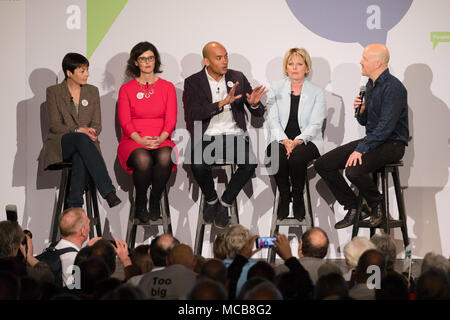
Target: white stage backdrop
x=36, y=34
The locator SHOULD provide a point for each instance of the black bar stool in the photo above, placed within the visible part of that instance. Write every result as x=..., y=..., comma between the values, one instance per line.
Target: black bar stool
x=388, y=222
x=163, y=221
x=229, y=168
x=90, y=198
x=291, y=220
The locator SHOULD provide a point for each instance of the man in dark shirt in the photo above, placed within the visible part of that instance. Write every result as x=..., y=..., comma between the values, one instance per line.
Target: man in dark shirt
x=385, y=116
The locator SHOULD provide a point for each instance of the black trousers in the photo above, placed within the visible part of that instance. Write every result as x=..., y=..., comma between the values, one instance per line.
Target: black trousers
x=78, y=148
x=292, y=171
x=328, y=166
x=230, y=149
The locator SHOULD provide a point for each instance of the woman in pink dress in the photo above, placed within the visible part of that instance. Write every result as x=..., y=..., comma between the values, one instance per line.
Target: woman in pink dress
x=147, y=111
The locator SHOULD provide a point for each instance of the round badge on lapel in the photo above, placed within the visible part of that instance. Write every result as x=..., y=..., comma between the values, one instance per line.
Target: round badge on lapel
x=139, y=95
x=230, y=84
x=84, y=103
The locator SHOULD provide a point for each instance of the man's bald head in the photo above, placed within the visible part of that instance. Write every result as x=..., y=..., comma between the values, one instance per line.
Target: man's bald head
x=71, y=221
x=209, y=47
x=380, y=52
x=315, y=243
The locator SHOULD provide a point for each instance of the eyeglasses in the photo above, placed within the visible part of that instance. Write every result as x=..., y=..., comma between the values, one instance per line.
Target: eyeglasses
x=146, y=59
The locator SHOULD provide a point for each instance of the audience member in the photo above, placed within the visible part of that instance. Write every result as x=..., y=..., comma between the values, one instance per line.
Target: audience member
x=393, y=287
x=263, y=270
x=198, y=263
x=214, y=269
x=312, y=249
x=249, y=285
x=386, y=245
x=328, y=268
x=370, y=258
x=173, y=282
x=219, y=249
x=352, y=251
x=435, y=261
x=331, y=285
x=236, y=238
x=433, y=284
x=264, y=291
x=207, y=289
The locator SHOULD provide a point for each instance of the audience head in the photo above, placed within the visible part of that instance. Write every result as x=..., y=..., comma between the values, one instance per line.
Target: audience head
x=393, y=287
x=214, y=269
x=140, y=257
x=93, y=271
x=82, y=255
x=385, y=244
x=41, y=272
x=314, y=244
x=105, y=250
x=266, y=290
x=133, y=69
x=72, y=61
x=332, y=285
x=160, y=249
x=261, y=269
x=236, y=237
x=199, y=261
x=182, y=254
x=284, y=283
x=11, y=235
x=435, y=261
x=208, y=289
x=219, y=248
x=125, y=292
x=371, y=257
x=74, y=225
x=249, y=285
x=433, y=284
x=355, y=248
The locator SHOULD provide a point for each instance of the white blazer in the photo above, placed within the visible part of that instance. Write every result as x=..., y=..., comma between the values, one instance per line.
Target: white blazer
x=311, y=112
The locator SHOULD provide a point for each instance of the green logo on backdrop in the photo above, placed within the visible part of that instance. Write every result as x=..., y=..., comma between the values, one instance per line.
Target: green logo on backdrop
x=101, y=14
x=437, y=37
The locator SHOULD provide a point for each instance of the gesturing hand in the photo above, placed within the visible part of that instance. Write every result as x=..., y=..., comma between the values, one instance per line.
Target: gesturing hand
x=282, y=246
x=256, y=95
x=353, y=159
x=230, y=98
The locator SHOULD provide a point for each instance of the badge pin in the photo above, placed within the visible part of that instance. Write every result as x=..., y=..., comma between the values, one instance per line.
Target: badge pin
x=139, y=95
x=230, y=84
x=84, y=103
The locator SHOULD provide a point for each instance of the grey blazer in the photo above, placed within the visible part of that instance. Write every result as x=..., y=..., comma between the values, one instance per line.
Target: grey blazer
x=63, y=117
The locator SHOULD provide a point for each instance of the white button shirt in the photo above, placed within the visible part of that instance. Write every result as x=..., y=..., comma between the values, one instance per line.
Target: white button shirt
x=223, y=122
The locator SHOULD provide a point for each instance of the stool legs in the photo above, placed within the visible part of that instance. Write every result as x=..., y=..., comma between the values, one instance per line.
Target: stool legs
x=165, y=220
x=400, y=205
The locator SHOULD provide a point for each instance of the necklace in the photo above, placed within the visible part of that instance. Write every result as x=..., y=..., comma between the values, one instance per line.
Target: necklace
x=145, y=91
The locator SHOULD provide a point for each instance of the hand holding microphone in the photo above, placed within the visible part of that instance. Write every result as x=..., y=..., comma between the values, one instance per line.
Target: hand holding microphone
x=358, y=104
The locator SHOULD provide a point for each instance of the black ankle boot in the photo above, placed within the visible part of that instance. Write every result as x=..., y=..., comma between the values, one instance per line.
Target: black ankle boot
x=155, y=208
x=141, y=209
x=112, y=199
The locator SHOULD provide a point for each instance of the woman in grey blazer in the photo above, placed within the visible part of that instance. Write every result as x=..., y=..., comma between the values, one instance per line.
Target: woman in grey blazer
x=296, y=115
x=73, y=109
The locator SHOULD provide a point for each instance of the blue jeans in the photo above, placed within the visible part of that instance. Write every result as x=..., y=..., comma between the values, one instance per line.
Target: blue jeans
x=85, y=157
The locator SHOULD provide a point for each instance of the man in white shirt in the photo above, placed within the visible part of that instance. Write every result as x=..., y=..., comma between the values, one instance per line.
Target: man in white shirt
x=214, y=99
x=74, y=227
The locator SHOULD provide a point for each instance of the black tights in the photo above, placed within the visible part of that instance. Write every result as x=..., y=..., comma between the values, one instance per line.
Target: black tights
x=150, y=167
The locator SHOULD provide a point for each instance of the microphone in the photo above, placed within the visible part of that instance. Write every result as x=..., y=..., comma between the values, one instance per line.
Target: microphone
x=71, y=99
x=362, y=93
x=147, y=85
x=11, y=212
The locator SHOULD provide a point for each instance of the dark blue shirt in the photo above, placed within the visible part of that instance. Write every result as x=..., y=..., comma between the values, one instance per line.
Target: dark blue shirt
x=386, y=113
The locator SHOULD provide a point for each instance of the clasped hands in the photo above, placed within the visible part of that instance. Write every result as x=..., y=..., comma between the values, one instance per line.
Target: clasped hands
x=252, y=98
x=290, y=145
x=91, y=132
x=151, y=142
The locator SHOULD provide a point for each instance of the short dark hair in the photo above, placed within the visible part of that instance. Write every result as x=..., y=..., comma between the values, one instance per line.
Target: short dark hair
x=309, y=250
x=73, y=60
x=132, y=69
x=263, y=270
x=105, y=250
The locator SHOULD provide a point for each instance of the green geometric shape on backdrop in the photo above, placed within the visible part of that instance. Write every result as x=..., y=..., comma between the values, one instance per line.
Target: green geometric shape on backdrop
x=101, y=14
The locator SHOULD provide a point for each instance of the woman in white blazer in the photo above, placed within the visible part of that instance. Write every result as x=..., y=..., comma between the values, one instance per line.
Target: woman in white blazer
x=295, y=119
